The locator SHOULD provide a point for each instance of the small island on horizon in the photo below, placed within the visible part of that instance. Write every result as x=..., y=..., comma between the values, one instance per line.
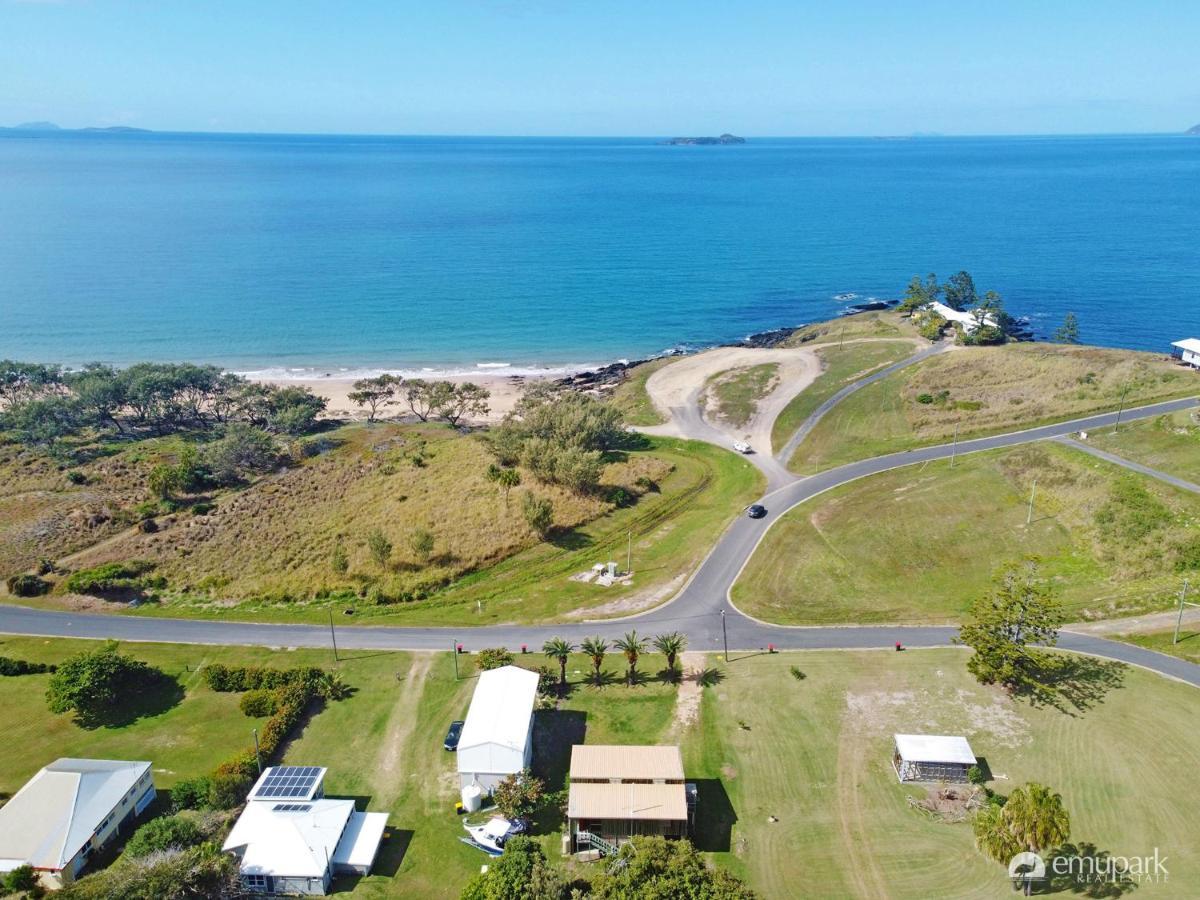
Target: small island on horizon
x=50, y=126
x=1194, y=131
x=703, y=141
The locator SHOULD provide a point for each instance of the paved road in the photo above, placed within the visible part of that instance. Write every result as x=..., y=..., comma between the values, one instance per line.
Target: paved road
x=819, y=413
x=702, y=610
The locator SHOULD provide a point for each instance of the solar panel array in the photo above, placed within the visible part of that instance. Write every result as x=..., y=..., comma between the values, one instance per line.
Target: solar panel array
x=292, y=807
x=288, y=783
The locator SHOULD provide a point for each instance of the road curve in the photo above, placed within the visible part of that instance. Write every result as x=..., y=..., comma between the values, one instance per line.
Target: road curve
x=701, y=610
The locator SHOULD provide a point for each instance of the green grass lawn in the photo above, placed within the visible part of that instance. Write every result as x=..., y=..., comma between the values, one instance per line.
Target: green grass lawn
x=839, y=367
x=1188, y=647
x=632, y=399
x=919, y=544
x=987, y=390
x=883, y=324
x=1168, y=443
x=812, y=753
x=734, y=395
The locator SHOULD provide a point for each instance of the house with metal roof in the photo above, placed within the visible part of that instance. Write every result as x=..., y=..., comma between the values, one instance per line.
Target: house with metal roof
x=932, y=757
x=497, y=736
x=68, y=811
x=617, y=792
x=1187, y=351
x=291, y=839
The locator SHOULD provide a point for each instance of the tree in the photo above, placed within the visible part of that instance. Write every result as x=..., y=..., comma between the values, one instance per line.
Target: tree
x=95, y=682
x=557, y=648
x=920, y=293
x=658, y=869
x=427, y=398
x=506, y=478
x=339, y=561
x=494, y=658
x=197, y=872
x=1017, y=614
x=595, y=648
x=244, y=449
x=22, y=878
x=164, y=833
x=632, y=646
x=670, y=646
x=374, y=393
x=380, y=547
x=959, y=291
x=522, y=872
x=518, y=795
x=1033, y=819
x=421, y=541
x=1068, y=332
x=539, y=514
x=465, y=399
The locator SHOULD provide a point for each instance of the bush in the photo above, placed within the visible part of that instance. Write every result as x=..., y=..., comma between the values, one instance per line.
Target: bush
x=22, y=878
x=191, y=793
x=229, y=789
x=494, y=658
x=259, y=703
x=27, y=586
x=202, y=871
x=94, y=683
x=109, y=577
x=539, y=514
x=12, y=667
x=925, y=398
x=203, y=508
x=233, y=679
x=975, y=775
x=163, y=834
x=76, y=477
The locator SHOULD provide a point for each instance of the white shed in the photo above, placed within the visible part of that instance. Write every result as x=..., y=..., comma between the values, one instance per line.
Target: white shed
x=932, y=757
x=1188, y=351
x=497, y=737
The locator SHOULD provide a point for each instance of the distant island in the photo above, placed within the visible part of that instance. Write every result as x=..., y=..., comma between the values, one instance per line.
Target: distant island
x=50, y=126
x=1194, y=130
x=703, y=141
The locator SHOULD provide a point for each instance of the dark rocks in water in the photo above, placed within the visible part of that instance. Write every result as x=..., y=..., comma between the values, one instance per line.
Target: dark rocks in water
x=603, y=379
x=872, y=306
x=765, y=339
x=703, y=141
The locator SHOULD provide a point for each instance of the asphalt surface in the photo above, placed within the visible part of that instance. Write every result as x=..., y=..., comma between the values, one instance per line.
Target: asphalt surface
x=701, y=610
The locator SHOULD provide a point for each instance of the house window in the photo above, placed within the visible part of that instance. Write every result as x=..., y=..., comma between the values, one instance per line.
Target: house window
x=255, y=882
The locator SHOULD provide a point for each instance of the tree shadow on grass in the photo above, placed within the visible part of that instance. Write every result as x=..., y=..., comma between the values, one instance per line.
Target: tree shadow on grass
x=570, y=539
x=709, y=677
x=555, y=732
x=1072, y=683
x=715, y=816
x=1086, y=872
x=153, y=696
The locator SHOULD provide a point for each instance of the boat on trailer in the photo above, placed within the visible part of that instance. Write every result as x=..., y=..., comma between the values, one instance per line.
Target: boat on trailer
x=492, y=835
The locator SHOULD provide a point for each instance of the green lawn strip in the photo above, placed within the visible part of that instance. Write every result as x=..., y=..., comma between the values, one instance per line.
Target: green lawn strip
x=1168, y=443
x=840, y=366
x=632, y=399
x=736, y=392
x=1163, y=641
x=829, y=561
x=987, y=391
x=881, y=324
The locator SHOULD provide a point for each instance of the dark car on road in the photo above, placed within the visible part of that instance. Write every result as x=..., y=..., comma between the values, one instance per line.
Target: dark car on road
x=756, y=511
x=452, y=736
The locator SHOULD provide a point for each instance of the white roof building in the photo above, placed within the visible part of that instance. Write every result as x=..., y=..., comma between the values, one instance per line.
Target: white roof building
x=932, y=757
x=69, y=809
x=1188, y=350
x=290, y=847
x=497, y=736
x=966, y=319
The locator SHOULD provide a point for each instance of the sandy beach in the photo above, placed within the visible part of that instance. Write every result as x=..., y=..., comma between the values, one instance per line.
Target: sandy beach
x=506, y=390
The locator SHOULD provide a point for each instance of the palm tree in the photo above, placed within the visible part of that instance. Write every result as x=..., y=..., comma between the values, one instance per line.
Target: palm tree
x=557, y=648
x=670, y=646
x=595, y=647
x=1032, y=819
x=632, y=646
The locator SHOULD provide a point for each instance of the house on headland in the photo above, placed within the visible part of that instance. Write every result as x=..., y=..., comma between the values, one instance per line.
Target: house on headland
x=68, y=811
x=967, y=320
x=497, y=735
x=1187, y=351
x=618, y=792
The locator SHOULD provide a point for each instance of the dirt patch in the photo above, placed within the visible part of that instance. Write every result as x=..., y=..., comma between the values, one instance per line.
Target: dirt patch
x=634, y=603
x=949, y=804
x=687, y=699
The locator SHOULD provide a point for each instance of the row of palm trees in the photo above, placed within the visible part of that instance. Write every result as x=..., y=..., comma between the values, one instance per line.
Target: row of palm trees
x=631, y=645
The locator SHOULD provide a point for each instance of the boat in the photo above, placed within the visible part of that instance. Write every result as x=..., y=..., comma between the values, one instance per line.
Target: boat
x=492, y=835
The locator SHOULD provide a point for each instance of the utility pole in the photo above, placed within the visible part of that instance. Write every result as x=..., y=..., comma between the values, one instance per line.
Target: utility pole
x=454, y=653
x=1182, y=603
x=954, y=448
x=257, y=752
x=725, y=635
x=1032, y=494
x=332, y=636
x=842, y=339
x=1121, y=408
x=629, y=555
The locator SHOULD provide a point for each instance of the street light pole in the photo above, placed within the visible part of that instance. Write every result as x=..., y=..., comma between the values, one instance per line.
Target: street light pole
x=454, y=653
x=257, y=752
x=629, y=554
x=1032, y=494
x=1121, y=408
x=333, y=636
x=1182, y=603
x=725, y=635
x=954, y=448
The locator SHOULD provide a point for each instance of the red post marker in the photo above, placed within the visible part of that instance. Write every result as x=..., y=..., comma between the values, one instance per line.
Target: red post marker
x=899, y=646
x=770, y=648
x=459, y=648
x=524, y=648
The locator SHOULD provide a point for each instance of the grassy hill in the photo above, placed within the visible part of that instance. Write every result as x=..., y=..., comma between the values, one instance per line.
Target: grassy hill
x=987, y=390
x=918, y=544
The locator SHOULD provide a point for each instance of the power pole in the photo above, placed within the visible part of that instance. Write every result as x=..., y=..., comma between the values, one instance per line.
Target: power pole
x=332, y=636
x=842, y=339
x=954, y=448
x=1032, y=494
x=629, y=555
x=454, y=653
x=725, y=635
x=1121, y=408
x=1182, y=603
x=257, y=752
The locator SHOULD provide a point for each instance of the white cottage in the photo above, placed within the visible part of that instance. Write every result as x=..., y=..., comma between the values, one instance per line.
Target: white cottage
x=497, y=737
x=1187, y=351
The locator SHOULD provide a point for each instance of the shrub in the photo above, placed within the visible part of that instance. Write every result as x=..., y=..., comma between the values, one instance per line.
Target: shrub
x=258, y=703
x=539, y=514
x=518, y=795
x=925, y=398
x=797, y=673
x=94, y=682
x=494, y=658
x=113, y=576
x=162, y=834
x=975, y=775
x=22, y=878
x=422, y=541
x=228, y=679
x=191, y=793
x=229, y=789
x=76, y=477
x=27, y=586
x=12, y=667
x=379, y=546
x=339, y=561
x=203, y=508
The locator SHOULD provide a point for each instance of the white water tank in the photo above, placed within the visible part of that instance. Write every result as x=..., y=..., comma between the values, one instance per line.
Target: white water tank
x=472, y=798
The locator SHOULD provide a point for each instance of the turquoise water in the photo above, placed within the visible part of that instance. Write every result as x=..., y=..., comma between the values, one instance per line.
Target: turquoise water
x=300, y=254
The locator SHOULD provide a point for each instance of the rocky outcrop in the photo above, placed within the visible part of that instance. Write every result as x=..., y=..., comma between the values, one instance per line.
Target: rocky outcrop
x=704, y=141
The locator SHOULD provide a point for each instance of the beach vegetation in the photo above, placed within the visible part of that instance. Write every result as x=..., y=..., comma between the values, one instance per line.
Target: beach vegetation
x=538, y=512
x=1068, y=331
x=920, y=293
x=374, y=394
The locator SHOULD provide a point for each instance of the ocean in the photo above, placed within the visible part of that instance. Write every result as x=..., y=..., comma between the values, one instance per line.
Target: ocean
x=302, y=255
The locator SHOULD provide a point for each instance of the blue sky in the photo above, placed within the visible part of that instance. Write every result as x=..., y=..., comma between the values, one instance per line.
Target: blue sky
x=603, y=67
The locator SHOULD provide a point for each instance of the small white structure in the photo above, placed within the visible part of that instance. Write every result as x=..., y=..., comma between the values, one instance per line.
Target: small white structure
x=1187, y=351
x=290, y=839
x=967, y=320
x=67, y=811
x=497, y=737
x=932, y=757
